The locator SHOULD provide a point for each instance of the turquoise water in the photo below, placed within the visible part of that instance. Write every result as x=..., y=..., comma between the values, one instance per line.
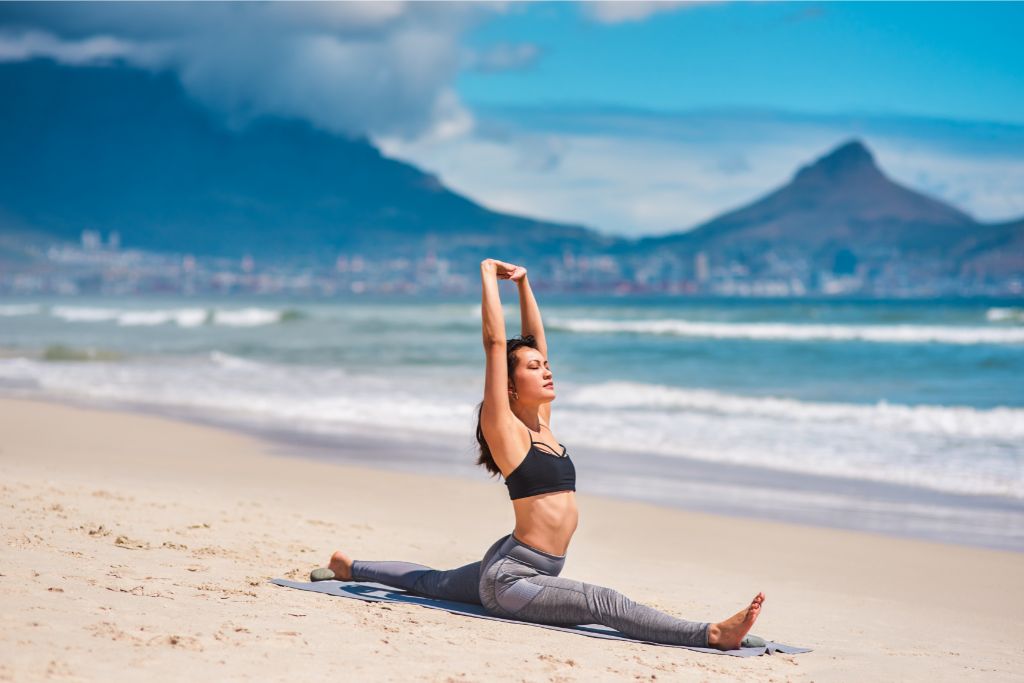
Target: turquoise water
x=926, y=395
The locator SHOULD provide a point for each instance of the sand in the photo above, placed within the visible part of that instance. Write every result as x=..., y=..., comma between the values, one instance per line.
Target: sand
x=139, y=547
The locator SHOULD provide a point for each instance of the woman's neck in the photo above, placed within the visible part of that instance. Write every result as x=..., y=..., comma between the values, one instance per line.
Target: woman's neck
x=529, y=416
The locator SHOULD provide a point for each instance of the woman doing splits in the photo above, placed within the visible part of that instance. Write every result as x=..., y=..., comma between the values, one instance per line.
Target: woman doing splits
x=518, y=576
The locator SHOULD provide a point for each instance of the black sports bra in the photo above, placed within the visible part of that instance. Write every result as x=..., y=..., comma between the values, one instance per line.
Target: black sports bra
x=541, y=472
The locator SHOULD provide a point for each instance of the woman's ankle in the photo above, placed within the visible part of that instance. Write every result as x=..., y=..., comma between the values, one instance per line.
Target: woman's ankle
x=714, y=635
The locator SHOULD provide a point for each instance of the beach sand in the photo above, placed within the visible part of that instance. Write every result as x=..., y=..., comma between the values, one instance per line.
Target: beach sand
x=139, y=547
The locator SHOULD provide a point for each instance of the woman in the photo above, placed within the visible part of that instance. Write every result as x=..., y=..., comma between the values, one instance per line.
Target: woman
x=519, y=575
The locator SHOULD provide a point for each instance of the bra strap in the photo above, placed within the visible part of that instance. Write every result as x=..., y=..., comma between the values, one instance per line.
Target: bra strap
x=540, y=442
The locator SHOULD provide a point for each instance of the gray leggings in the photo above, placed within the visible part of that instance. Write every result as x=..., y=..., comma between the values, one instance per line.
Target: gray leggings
x=515, y=580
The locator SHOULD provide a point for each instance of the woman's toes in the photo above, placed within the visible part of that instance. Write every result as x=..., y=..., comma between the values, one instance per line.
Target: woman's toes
x=341, y=564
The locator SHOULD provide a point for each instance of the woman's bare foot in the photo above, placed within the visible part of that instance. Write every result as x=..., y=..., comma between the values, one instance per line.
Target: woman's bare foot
x=341, y=565
x=728, y=634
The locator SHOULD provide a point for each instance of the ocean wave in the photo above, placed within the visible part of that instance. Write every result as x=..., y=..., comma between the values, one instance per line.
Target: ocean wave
x=897, y=334
x=229, y=362
x=84, y=314
x=20, y=309
x=998, y=315
x=182, y=317
x=961, y=421
x=247, y=317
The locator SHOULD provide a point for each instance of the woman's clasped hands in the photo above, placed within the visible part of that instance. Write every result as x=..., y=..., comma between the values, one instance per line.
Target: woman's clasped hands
x=504, y=271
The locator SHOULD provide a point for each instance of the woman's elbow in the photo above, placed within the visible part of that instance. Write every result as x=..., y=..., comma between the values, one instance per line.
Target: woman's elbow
x=493, y=341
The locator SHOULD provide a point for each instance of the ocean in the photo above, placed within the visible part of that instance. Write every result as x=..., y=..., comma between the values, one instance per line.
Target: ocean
x=903, y=417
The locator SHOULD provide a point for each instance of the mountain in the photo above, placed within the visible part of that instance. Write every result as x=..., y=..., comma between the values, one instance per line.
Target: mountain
x=115, y=148
x=842, y=209
x=995, y=251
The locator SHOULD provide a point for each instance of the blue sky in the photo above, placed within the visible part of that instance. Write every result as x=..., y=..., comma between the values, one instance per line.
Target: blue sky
x=656, y=122
x=949, y=60
x=634, y=118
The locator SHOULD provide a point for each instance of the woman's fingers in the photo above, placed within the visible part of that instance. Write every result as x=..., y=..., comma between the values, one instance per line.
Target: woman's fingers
x=507, y=271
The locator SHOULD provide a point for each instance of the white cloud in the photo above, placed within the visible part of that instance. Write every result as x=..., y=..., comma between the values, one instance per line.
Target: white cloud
x=641, y=174
x=19, y=46
x=502, y=57
x=622, y=11
x=348, y=67
x=989, y=189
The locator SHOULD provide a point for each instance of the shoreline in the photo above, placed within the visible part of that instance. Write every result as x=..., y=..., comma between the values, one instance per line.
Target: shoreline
x=744, y=492
x=145, y=544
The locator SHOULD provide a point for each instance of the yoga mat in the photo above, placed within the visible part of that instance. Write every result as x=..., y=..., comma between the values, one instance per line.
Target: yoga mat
x=376, y=592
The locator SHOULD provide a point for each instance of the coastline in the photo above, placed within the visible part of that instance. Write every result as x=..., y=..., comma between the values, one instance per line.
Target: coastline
x=144, y=544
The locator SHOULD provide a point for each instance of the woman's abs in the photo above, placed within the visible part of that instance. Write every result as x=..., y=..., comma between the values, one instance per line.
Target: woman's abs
x=547, y=521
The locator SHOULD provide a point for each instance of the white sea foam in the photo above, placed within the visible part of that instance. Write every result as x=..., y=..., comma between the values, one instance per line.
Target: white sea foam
x=997, y=315
x=898, y=334
x=182, y=317
x=962, y=421
x=84, y=314
x=846, y=450
x=229, y=362
x=247, y=317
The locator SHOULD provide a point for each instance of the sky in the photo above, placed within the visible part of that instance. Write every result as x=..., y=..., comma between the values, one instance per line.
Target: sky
x=631, y=118
x=957, y=60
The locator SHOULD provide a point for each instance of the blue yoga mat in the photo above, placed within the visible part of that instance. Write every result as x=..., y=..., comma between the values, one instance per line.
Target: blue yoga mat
x=376, y=592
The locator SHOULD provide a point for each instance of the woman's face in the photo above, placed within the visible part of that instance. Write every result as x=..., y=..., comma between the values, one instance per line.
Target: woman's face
x=534, y=382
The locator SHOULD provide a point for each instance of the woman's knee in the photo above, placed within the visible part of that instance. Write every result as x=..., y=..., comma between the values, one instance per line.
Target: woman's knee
x=487, y=599
x=606, y=601
x=512, y=598
x=505, y=589
x=486, y=590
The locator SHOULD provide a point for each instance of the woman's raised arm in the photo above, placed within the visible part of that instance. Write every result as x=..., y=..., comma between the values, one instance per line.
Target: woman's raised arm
x=490, y=306
x=532, y=324
x=530, y=314
x=496, y=413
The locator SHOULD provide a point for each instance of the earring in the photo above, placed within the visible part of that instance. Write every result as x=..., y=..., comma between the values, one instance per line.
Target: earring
x=515, y=396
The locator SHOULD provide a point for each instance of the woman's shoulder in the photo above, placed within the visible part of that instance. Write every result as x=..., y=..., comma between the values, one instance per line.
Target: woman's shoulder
x=509, y=441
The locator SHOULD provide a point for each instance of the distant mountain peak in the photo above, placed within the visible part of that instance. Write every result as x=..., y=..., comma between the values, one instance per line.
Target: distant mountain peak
x=850, y=161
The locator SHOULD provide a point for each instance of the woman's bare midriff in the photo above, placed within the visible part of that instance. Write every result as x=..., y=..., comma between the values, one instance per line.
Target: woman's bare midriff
x=546, y=521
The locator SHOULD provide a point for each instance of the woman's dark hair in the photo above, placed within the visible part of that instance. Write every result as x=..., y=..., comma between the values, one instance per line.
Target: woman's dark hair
x=511, y=346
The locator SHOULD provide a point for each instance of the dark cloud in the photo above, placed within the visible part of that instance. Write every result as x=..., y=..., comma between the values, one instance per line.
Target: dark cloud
x=365, y=67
